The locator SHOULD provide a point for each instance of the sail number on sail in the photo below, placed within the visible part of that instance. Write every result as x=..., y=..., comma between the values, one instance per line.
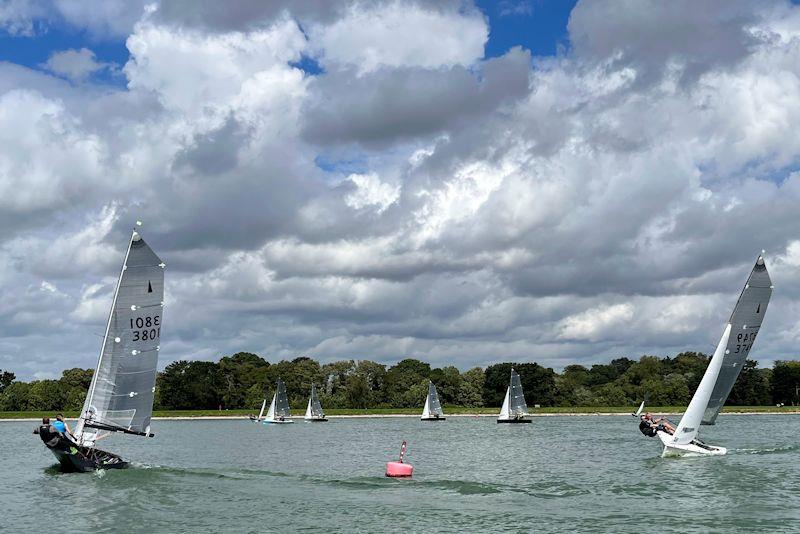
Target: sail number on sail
x=146, y=328
x=745, y=342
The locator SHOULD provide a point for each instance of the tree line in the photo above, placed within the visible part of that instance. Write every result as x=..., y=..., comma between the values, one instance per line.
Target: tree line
x=243, y=380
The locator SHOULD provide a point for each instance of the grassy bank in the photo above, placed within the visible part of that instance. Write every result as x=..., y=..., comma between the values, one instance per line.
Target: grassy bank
x=449, y=410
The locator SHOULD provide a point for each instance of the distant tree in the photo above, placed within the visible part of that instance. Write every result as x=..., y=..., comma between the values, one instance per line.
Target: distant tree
x=786, y=382
x=496, y=380
x=538, y=384
x=238, y=373
x=47, y=395
x=470, y=391
x=6, y=377
x=751, y=388
x=16, y=397
x=187, y=385
x=400, y=378
x=448, y=383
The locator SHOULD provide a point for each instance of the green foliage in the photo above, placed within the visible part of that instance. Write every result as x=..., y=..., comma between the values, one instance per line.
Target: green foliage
x=786, y=383
x=6, y=377
x=242, y=382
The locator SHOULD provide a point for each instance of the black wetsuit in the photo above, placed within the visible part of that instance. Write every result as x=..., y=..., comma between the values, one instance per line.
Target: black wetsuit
x=647, y=428
x=49, y=435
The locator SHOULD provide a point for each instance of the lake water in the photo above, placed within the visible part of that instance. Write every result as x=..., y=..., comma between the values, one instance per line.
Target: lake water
x=560, y=474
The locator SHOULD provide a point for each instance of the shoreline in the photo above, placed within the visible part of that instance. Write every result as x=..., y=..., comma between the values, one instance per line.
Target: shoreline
x=401, y=415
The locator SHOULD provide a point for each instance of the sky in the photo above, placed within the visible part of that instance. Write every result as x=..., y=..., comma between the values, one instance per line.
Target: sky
x=464, y=183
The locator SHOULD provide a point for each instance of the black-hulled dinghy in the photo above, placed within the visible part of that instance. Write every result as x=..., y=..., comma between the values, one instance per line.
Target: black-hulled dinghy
x=120, y=397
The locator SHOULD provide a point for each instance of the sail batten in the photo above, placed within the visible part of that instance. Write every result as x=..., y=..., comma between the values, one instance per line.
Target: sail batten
x=123, y=385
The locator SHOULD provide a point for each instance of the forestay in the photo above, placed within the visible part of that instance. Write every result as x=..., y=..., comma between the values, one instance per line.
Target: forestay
x=120, y=396
x=745, y=322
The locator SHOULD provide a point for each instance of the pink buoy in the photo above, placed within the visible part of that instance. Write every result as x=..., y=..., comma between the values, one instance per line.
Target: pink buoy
x=399, y=468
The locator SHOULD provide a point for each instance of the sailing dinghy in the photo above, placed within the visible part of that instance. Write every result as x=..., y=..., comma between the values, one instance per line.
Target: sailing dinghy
x=260, y=414
x=723, y=369
x=514, y=409
x=120, y=397
x=433, y=408
x=314, y=411
x=279, y=413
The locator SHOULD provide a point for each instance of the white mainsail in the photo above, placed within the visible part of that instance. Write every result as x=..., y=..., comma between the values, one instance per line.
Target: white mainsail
x=729, y=357
x=120, y=397
x=271, y=412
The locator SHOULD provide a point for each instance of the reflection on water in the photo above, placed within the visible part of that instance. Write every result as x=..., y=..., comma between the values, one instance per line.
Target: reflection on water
x=561, y=474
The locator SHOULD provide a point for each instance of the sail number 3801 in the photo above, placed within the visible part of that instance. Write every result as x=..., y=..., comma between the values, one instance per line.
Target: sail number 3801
x=146, y=328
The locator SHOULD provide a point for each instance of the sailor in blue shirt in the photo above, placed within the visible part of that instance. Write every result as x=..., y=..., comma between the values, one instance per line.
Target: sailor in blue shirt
x=61, y=425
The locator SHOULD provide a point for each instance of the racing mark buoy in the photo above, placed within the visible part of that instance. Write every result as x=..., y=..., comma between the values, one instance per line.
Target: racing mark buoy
x=400, y=469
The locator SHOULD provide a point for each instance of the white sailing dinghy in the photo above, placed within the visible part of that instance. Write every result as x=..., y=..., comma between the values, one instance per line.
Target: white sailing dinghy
x=314, y=411
x=723, y=369
x=279, y=413
x=260, y=414
x=514, y=409
x=433, y=408
x=120, y=397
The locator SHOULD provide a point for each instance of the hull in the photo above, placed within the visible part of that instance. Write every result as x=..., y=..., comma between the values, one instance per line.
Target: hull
x=76, y=459
x=673, y=450
x=516, y=420
x=316, y=419
x=276, y=422
x=433, y=418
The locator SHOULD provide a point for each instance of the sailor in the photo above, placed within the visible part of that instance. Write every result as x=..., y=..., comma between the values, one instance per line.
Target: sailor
x=650, y=427
x=62, y=425
x=48, y=433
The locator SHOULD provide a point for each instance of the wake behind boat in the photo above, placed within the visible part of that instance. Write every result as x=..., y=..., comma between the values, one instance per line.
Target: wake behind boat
x=433, y=408
x=279, y=412
x=514, y=409
x=723, y=369
x=314, y=411
x=120, y=397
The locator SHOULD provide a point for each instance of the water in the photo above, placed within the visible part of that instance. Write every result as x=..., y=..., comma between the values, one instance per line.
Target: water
x=560, y=474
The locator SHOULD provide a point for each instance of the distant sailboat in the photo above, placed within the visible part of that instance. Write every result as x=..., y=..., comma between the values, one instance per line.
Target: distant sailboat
x=120, y=397
x=433, y=408
x=514, y=409
x=279, y=412
x=314, y=410
x=261, y=413
x=723, y=369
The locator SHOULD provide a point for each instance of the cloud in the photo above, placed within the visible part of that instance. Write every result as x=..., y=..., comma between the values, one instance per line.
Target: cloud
x=395, y=34
x=75, y=65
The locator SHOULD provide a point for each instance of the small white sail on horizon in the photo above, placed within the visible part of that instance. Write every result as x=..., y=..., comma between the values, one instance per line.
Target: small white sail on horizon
x=433, y=408
x=515, y=409
x=724, y=368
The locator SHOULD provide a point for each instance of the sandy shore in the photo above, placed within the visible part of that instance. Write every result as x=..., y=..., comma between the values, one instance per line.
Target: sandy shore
x=386, y=416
